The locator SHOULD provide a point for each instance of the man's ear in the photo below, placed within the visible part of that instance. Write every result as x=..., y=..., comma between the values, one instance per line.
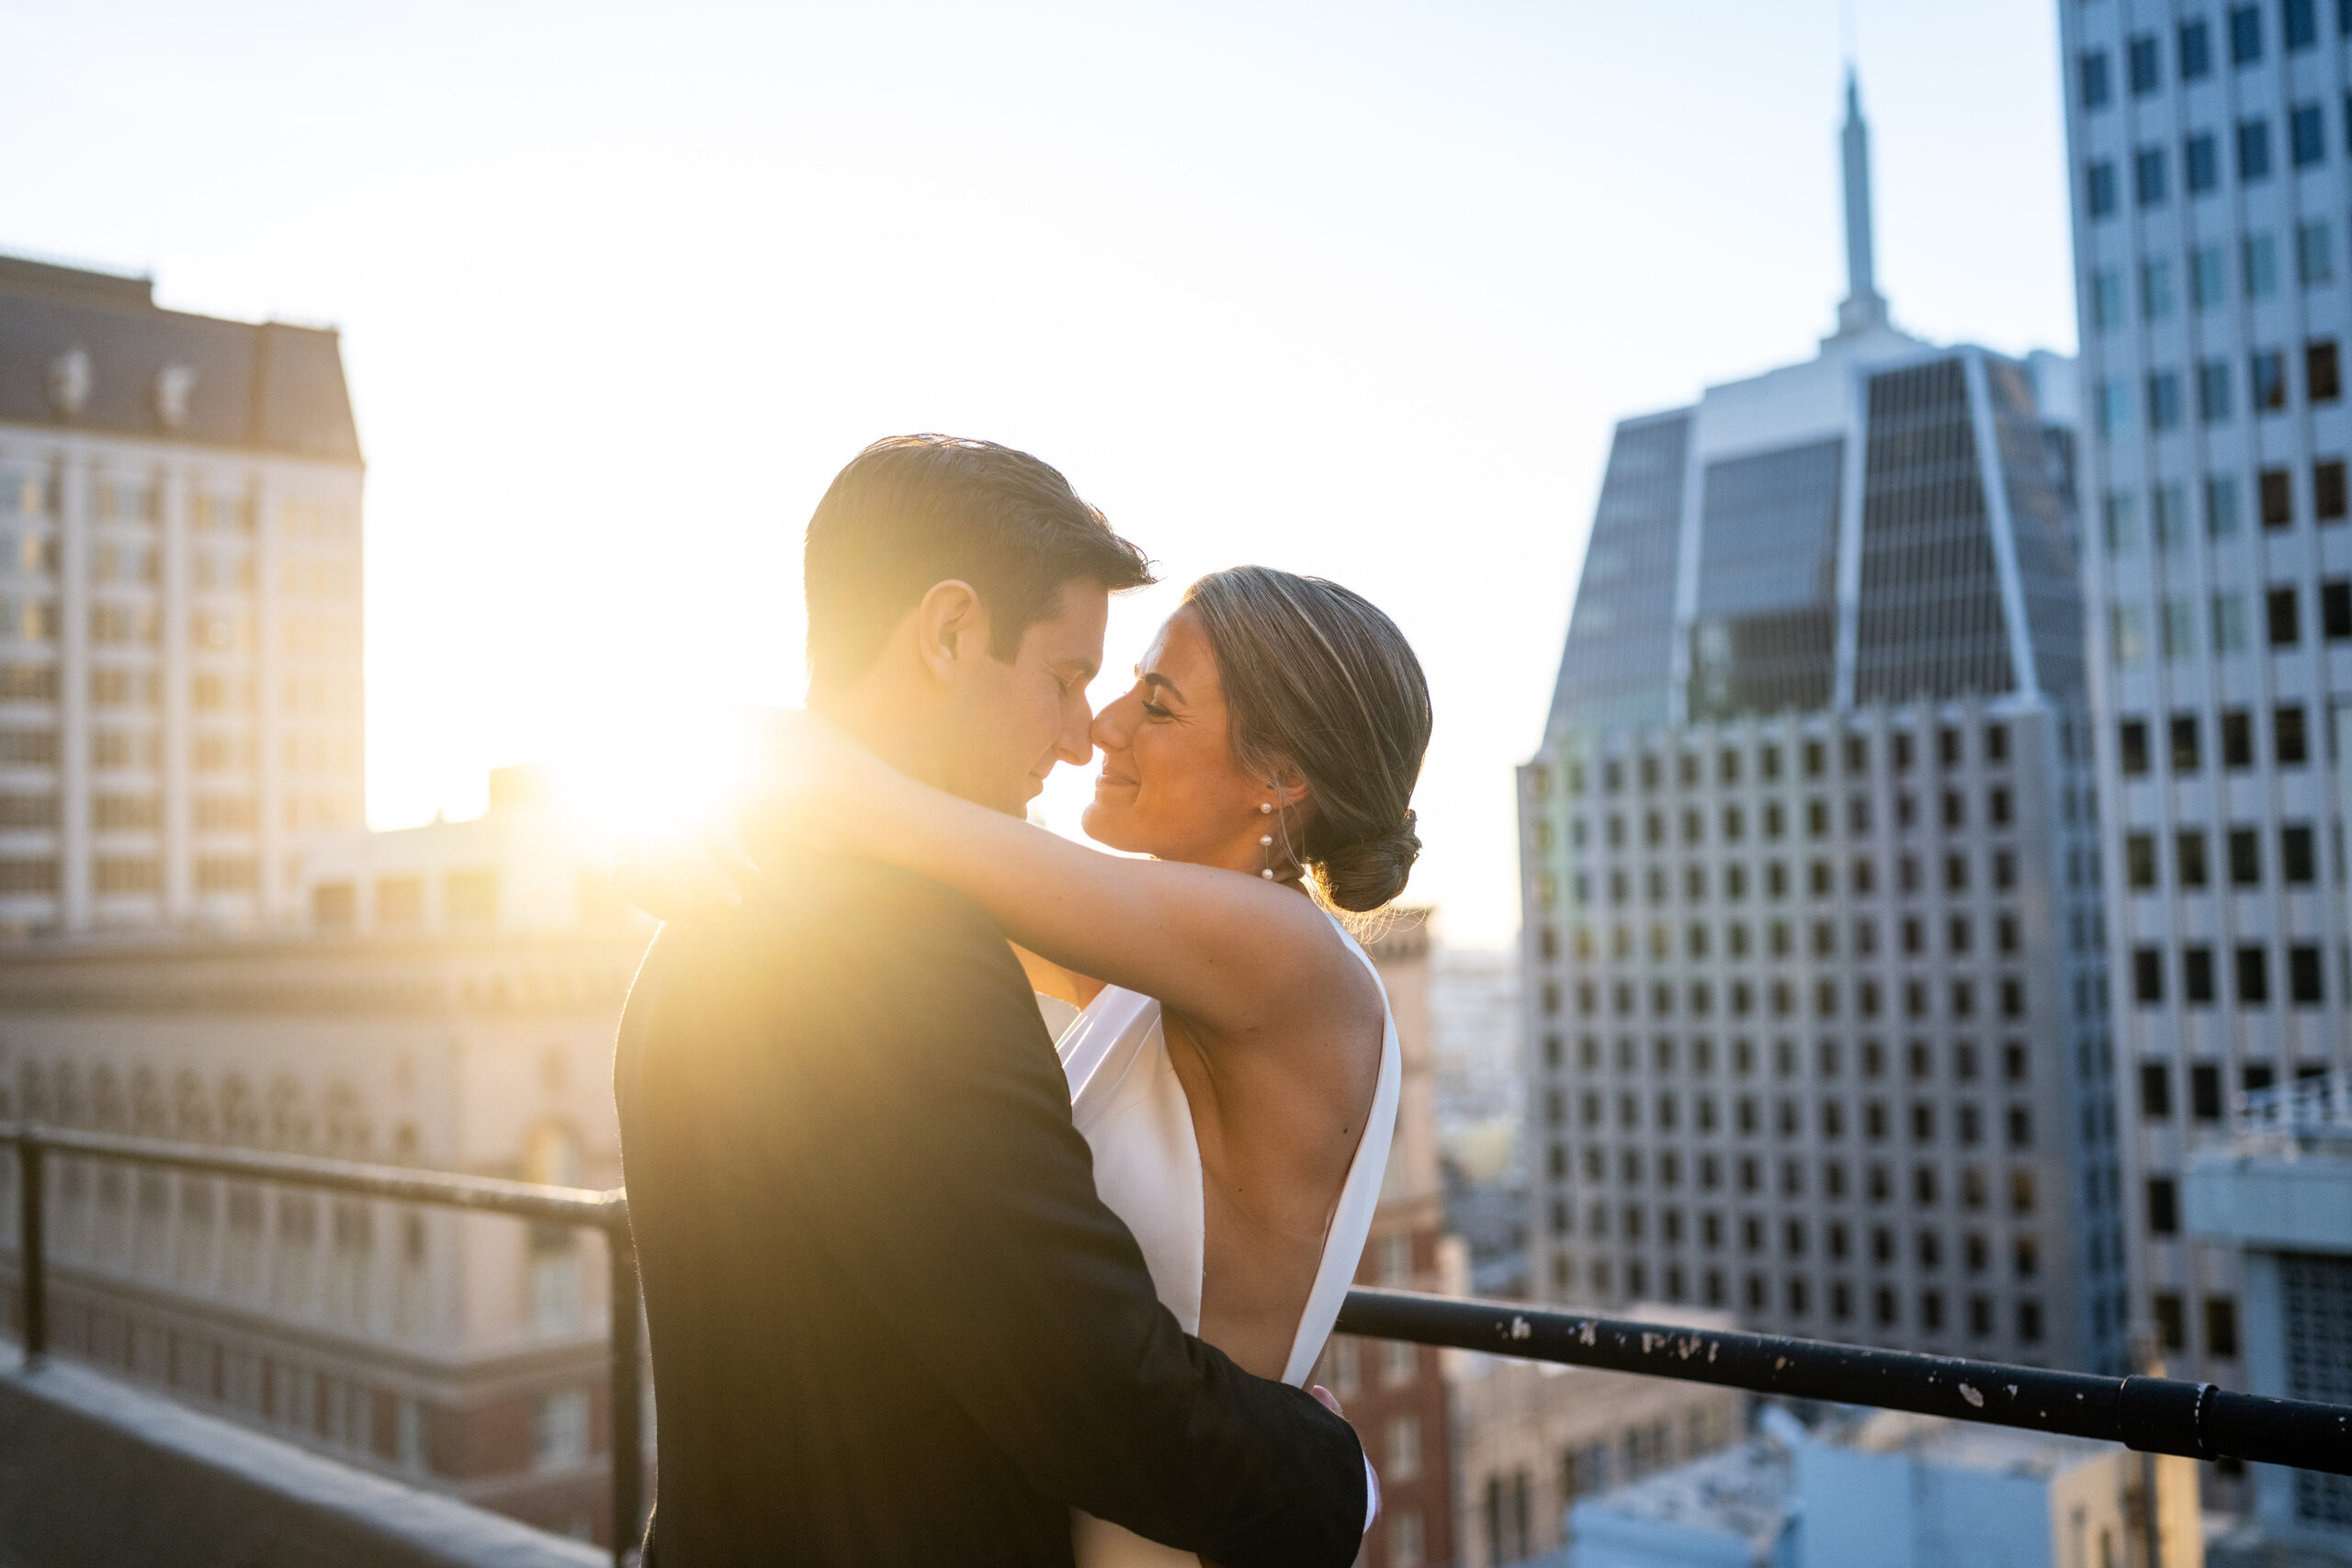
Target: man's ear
x=951, y=629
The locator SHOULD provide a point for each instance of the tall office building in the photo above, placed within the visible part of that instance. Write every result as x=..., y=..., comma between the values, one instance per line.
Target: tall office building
x=179, y=605
x=2208, y=160
x=1815, y=994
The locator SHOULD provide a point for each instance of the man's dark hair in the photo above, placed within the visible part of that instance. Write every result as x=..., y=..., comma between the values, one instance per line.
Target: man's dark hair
x=914, y=510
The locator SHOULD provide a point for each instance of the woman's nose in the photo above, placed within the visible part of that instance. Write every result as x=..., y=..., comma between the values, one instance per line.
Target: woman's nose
x=1110, y=729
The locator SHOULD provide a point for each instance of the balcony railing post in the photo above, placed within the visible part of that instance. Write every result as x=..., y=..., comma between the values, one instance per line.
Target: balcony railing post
x=627, y=1401
x=33, y=1249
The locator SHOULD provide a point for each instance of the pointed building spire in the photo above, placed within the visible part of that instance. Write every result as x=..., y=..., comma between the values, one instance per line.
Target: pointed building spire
x=1864, y=306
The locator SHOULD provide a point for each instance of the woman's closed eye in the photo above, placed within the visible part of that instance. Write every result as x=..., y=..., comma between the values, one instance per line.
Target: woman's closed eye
x=1155, y=710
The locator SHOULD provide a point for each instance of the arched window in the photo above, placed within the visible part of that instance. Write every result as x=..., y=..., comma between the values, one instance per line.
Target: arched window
x=240, y=1114
x=107, y=1107
x=347, y=1130
x=289, y=1119
x=191, y=1109
x=551, y=1156
x=147, y=1113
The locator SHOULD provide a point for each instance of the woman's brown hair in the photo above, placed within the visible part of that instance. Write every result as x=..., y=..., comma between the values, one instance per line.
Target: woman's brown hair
x=1319, y=679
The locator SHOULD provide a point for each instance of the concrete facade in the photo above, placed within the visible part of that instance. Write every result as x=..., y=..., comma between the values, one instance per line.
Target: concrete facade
x=2207, y=154
x=180, y=687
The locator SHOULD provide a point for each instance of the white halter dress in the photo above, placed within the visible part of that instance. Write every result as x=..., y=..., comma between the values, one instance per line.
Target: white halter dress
x=1131, y=1108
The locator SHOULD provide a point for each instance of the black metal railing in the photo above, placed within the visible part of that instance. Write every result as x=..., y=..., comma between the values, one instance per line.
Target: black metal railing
x=2163, y=1415
x=605, y=1211
x=2154, y=1415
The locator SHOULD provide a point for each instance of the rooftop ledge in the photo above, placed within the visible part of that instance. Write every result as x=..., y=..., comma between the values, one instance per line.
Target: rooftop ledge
x=95, y=1473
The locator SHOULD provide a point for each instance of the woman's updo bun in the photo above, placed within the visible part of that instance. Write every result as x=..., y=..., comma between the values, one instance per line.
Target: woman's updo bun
x=1365, y=874
x=1317, y=679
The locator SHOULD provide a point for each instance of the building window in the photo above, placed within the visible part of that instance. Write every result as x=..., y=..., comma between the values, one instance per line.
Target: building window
x=2155, y=1091
x=2229, y=623
x=2201, y=173
x=2106, y=299
x=2254, y=976
x=2335, y=608
x=2222, y=1327
x=2302, y=20
x=2314, y=255
x=2164, y=402
x=2188, y=857
x=2323, y=373
x=2280, y=617
x=2128, y=634
x=2290, y=741
x=560, y=1429
x=2304, y=985
x=2119, y=512
x=2259, y=255
x=2183, y=731
x=2140, y=859
x=2098, y=187
x=2298, y=862
x=2221, y=506
x=1406, y=1546
x=2164, y=1206
x=1403, y=1448
x=2172, y=1324
x=2148, y=181
x=2305, y=136
x=2091, y=78
x=2246, y=35
x=2133, y=738
x=2328, y=501
x=2237, y=738
x=2253, y=151
x=2213, y=390
x=2205, y=1091
x=2148, y=976
x=2195, y=50
x=2268, y=384
x=470, y=898
x=2246, y=858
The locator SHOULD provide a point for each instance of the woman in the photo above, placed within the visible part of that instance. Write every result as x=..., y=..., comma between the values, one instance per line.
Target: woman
x=1230, y=1054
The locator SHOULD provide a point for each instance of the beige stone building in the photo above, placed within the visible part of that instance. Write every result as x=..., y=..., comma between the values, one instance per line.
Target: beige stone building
x=468, y=1030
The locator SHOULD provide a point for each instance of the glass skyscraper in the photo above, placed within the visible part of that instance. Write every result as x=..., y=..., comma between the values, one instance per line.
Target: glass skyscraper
x=2209, y=147
x=1816, y=993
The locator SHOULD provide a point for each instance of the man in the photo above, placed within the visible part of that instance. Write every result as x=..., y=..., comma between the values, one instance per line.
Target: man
x=892, y=1325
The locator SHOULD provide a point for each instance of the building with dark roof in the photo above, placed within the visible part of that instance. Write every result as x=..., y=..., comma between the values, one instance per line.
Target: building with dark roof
x=180, y=692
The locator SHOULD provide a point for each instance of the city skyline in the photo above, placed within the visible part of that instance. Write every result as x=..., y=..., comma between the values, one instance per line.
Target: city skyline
x=587, y=364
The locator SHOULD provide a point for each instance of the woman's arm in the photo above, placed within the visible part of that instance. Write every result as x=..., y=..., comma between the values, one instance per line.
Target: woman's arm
x=1213, y=945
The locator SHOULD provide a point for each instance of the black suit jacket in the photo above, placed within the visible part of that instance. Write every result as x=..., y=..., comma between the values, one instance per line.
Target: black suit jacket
x=891, y=1322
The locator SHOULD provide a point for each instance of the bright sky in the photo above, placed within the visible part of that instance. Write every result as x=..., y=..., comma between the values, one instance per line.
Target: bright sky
x=1355, y=289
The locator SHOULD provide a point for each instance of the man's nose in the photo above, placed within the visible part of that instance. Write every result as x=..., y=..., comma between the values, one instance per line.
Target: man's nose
x=1075, y=744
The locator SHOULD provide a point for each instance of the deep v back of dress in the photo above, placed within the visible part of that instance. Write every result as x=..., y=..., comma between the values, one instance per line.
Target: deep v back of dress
x=1131, y=1109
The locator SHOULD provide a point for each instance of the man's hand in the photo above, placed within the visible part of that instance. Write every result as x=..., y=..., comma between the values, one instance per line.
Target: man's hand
x=1328, y=1401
